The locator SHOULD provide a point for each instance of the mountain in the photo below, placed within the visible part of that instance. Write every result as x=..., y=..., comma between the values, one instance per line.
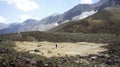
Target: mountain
x=27, y=25
x=76, y=26
x=11, y=29
x=2, y=26
x=17, y=27
x=104, y=21
x=80, y=11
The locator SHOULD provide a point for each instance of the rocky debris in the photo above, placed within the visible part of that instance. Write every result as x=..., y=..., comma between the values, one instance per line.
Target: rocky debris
x=36, y=50
x=4, y=50
x=1, y=41
x=38, y=45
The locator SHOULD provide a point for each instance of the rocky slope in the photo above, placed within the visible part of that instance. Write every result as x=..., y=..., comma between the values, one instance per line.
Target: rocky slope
x=104, y=21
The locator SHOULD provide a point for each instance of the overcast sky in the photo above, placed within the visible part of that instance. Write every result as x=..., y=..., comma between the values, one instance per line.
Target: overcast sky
x=20, y=10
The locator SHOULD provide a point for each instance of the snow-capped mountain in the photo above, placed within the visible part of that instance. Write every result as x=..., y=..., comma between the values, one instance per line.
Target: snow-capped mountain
x=80, y=11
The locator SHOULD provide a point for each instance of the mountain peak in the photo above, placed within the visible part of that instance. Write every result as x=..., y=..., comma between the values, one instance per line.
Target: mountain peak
x=29, y=21
x=109, y=3
x=55, y=14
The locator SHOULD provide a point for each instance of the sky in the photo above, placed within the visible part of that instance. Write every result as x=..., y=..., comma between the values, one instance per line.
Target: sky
x=17, y=11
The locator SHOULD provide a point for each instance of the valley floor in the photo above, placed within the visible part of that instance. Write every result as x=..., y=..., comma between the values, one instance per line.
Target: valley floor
x=51, y=49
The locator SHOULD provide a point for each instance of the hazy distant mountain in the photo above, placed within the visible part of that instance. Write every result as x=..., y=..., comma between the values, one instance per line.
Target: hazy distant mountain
x=80, y=11
x=27, y=25
x=17, y=27
x=2, y=26
x=12, y=28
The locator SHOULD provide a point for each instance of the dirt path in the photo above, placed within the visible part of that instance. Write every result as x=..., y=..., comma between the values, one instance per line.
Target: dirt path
x=48, y=49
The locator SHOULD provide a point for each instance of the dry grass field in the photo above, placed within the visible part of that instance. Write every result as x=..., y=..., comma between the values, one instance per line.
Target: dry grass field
x=48, y=49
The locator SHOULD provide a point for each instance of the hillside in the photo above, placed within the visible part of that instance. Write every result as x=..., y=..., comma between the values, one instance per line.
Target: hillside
x=60, y=37
x=104, y=21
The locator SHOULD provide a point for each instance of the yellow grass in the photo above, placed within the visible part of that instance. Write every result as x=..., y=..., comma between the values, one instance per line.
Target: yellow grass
x=48, y=49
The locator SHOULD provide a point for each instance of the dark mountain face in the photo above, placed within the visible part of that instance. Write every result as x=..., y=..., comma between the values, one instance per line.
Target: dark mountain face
x=107, y=3
x=114, y=2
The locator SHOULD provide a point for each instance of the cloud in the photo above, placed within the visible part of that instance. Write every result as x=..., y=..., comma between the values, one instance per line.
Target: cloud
x=3, y=20
x=25, y=17
x=24, y=5
x=86, y=1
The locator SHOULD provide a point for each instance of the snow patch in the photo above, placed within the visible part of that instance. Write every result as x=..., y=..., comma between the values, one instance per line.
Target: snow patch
x=84, y=15
x=65, y=21
x=56, y=24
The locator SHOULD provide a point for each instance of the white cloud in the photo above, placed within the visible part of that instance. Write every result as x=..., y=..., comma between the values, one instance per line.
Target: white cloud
x=3, y=20
x=25, y=17
x=86, y=1
x=24, y=5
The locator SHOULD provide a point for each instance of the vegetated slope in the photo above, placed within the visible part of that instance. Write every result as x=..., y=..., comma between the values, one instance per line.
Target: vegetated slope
x=104, y=21
x=60, y=37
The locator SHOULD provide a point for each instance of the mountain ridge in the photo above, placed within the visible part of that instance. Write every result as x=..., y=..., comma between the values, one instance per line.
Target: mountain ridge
x=50, y=22
x=104, y=21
